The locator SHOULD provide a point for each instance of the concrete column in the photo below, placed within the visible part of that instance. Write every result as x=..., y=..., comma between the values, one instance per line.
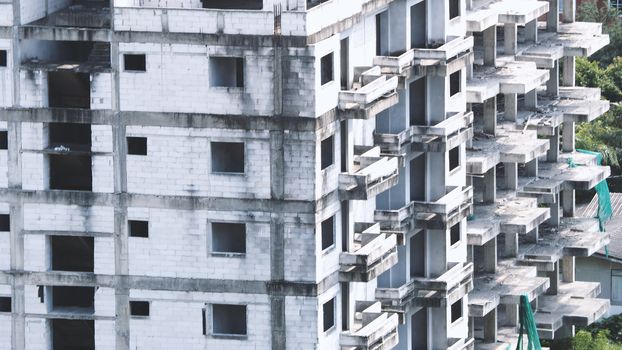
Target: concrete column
x=552, y=17
x=511, y=106
x=531, y=100
x=511, y=176
x=470, y=252
x=570, y=11
x=490, y=326
x=510, y=38
x=531, y=31
x=554, y=277
x=490, y=185
x=490, y=46
x=568, y=269
x=552, y=85
x=399, y=32
x=531, y=167
x=511, y=245
x=533, y=235
x=552, y=155
x=568, y=137
x=490, y=256
x=554, y=208
x=568, y=203
x=490, y=116
x=511, y=315
x=568, y=76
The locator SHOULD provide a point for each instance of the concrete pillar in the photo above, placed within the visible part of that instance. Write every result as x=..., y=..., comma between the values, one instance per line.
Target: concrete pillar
x=552, y=85
x=568, y=203
x=570, y=11
x=511, y=176
x=568, y=137
x=568, y=76
x=533, y=235
x=399, y=32
x=511, y=315
x=490, y=116
x=511, y=245
x=470, y=252
x=552, y=17
x=490, y=46
x=554, y=208
x=568, y=269
x=531, y=31
x=490, y=185
x=554, y=277
x=510, y=38
x=490, y=256
x=531, y=167
x=490, y=326
x=511, y=106
x=531, y=100
x=552, y=155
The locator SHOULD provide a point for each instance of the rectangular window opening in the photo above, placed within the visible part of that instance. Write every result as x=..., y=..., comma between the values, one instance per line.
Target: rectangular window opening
x=67, y=89
x=327, y=152
x=72, y=136
x=328, y=312
x=4, y=139
x=454, y=158
x=454, y=9
x=135, y=62
x=71, y=253
x=228, y=238
x=455, y=83
x=233, y=4
x=139, y=228
x=78, y=299
x=5, y=304
x=5, y=222
x=70, y=172
x=454, y=236
x=228, y=157
x=3, y=58
x=229, y=319
x=73, y=334
x=139, y=308
x=327, y=69
x=137, y=146
x=226, y=72
x=328, y=233
x=456, y=311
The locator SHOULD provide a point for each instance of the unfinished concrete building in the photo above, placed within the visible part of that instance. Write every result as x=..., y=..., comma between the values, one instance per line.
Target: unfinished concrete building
x=292, y=174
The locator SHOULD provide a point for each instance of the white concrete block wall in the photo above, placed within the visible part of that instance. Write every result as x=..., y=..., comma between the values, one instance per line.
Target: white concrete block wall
x=299, y=241
x=6, y=15
x=300, y=163
x=299, y=83
x=104, y=301
x=157, y=331
x=330, y=338
x=68, y=218
x=101, y=138
x=327, y=180
x=103, y=252
x=34, y=171
x=179, y=245
x=6, y=76
x=34, y=136
x=33, y=304
x=36, y=328
x=327, y=95
x=178, y=77
x=300, y=313
x=5, y=246
x=101, y=91
x=102, y=173
x=178, y=162
x=35, y=252
x=328, y=260
x=33, y=89
x=105, y=334
x=6, y=328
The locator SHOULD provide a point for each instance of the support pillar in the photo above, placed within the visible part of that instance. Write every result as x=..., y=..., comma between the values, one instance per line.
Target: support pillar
x=533, y=235
x=552, y=17
x=568, y=137
x=511, y=176
x=490, y=46
x=490, y=185
x=554, y=277
x=490, y=256
x=552, y=155
x=511, y=107
x=554, y=208
x=510, y=38
x=531, y=31
x=490, y=115
x=568, y=269
x=552, y=85
x=490, y=326
x=511, y=245
x=531, y=167
x=531, y=100
x=568, y=76
x=568, y=203
x=511, y=315
x=570, y=11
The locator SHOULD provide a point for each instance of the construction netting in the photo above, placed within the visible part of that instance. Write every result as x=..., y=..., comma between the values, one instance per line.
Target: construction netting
x=528, y=326
x=604, y=197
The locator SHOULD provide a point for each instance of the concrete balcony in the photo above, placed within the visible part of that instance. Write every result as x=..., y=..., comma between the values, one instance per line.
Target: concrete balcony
x=512, y=78
x=372, y=329
x=373, y=253
x=439, y=291
x=372, y=174
x=456, y=201
x=580, y=39
x=460, y=344
x=485, y=14
x=396, y=65
x=441, y=137
x=453, y=47
x=555, y=311
x=372, y=94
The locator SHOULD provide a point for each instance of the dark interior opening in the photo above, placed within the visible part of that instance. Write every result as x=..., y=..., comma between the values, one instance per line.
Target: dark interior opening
x=73, y=298
x=5, y=304
x=327, y=156
x=327, y=71
x=226, y=71
x=139, y=228
x=5, y=222
x=454, y=158
x=418, y=25
x=228, y=238
x=73, y=334
x=137, y=146
x=454, y=9
x=454, y=83
x=233, y=4
x=4, y=139
x=328, y=311
x=71, y=253
x=417, y=101
x=228, y=157
x=69, y=89
x=229, y=319
x=3, y=58
x=454, y=236
x=328, y=233
x=139, y=308
x=77, y=137
x=456, y=311
x=344, y=64
x=134, y=62
x=70, y=172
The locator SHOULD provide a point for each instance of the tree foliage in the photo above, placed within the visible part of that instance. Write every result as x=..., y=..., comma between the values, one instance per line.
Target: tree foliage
x=589, y=11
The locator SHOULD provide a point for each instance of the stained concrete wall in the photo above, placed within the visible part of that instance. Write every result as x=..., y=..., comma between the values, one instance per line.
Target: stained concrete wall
x=596, y=269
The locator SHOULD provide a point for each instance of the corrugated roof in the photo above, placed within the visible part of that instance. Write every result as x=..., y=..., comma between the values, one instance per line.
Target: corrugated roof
x=614, y=226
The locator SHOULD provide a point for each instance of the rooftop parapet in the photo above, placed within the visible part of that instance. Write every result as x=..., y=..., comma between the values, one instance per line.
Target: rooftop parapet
x=372, y=174
x=373, y=253
x=443, y=290
x=372, y=329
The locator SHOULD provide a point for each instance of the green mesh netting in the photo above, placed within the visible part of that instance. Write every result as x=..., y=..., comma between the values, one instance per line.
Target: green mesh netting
x=604, y=197
x=527, y=325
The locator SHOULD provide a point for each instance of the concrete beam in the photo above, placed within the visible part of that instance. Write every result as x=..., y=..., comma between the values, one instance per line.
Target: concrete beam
x=490, y=116
x=490, y=46
x=511, y=106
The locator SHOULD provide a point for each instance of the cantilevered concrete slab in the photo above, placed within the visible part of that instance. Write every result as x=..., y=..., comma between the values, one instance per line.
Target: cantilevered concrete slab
x=555, y=311
x=512, y=78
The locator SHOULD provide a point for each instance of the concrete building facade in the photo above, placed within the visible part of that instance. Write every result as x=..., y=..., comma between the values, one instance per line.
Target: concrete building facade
x=292, y=174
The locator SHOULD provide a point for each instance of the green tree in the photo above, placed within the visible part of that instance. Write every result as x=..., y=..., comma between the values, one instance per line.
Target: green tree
x=589, y=11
